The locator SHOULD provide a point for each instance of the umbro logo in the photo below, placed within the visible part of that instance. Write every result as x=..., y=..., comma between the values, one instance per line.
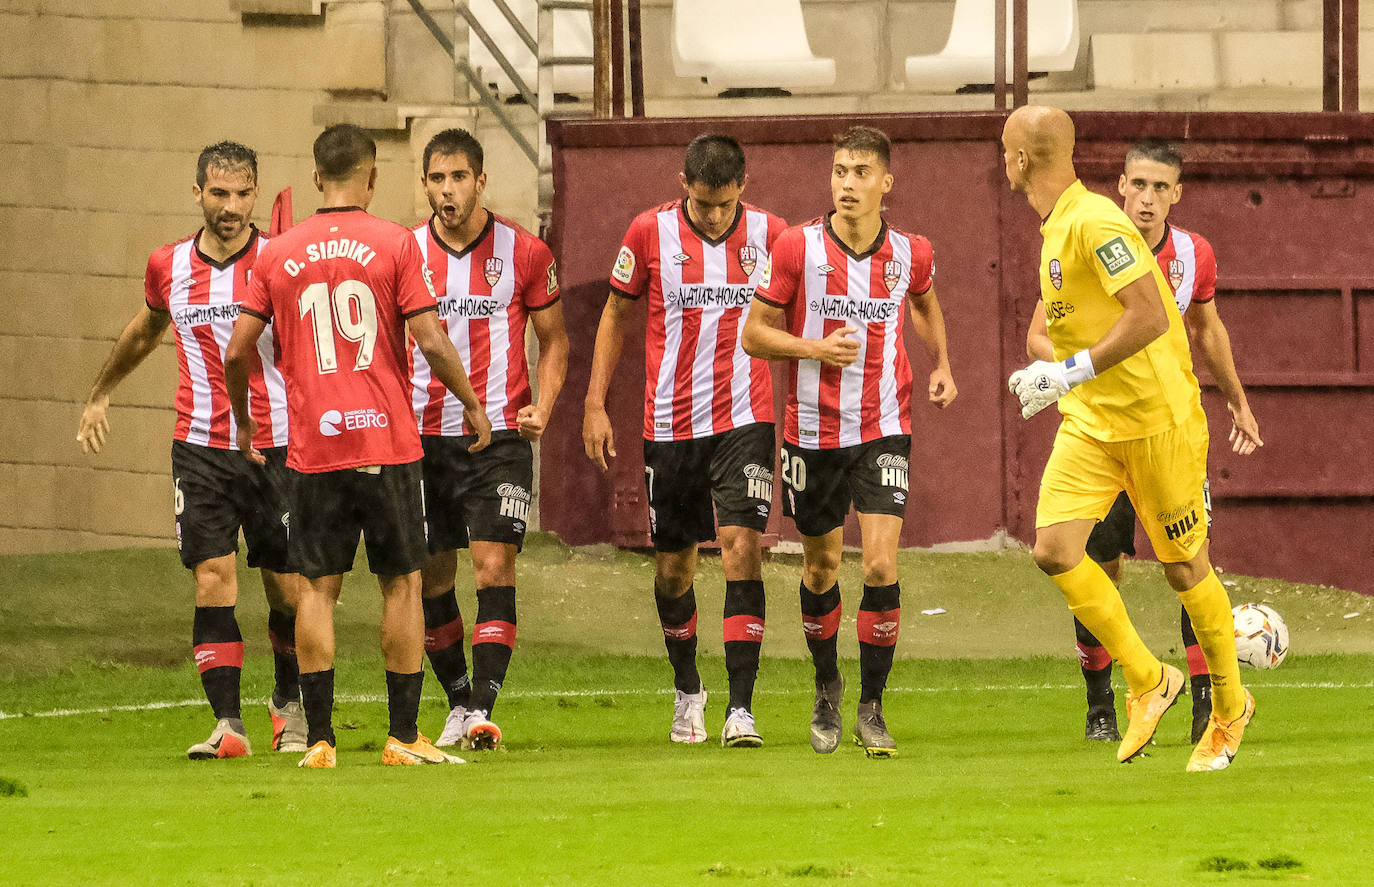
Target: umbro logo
x=825, y=269
x=204, y=656
x=187, y=283
x=884, y=627
x=682, y=258
x=754, y=630
x=491, y=631
x=678, y=634
x=811, y=626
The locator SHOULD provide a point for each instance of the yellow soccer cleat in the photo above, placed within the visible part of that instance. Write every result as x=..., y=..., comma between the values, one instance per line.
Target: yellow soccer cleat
x=1220, y=741
x=1145, y=711
x=321, y=756
x=421, y=751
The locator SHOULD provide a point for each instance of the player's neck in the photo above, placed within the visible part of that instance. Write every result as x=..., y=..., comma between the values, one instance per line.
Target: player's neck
x=461, y=238
x=1154, y=235
x=1043, y=193
x=337, y=195
x=857, y=233
x=219, y=250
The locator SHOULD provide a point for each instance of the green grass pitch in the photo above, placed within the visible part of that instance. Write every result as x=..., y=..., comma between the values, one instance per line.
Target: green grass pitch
x=993, y=784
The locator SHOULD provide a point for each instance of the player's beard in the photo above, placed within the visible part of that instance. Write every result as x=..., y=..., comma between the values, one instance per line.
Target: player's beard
x=454, y=216
x=227, y=226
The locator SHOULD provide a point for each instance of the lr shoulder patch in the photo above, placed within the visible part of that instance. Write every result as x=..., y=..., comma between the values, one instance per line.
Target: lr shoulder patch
x=1115, y=256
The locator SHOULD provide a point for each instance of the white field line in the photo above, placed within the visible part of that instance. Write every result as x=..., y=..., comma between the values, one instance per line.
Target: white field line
x=555, y=694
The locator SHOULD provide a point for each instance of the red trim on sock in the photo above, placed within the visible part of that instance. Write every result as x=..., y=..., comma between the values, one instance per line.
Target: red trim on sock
x=225, y=655
x=879, y=627
x=280, y=645
x=444, y=636
x=744, y=628
x=494, y=632
x=1094, y=658
x=681, y=632
x=821, y=628
x=1197, y=663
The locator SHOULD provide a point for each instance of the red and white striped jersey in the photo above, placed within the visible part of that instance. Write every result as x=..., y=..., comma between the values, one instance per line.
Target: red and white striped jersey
x=203, y=297
x=1189, y=265
x=823, y=286
x=485, y=295
x=697, y=379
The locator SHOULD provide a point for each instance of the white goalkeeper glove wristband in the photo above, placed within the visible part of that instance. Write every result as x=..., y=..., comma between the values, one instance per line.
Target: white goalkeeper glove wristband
x=1044, y=382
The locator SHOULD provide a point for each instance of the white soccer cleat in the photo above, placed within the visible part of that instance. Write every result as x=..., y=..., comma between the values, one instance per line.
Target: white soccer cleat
x=288, y=726
x=479, y=732
x=689, y=717
x=452, y=734
x=739, y=730
x=224, y=742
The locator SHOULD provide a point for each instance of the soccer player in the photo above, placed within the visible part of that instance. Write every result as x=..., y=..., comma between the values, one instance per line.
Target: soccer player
x=342, y=287
x=1151, y=188
x=491, y=277
x=841, y=283
x=196, y=285
x=1132, y=420
x=708, y=415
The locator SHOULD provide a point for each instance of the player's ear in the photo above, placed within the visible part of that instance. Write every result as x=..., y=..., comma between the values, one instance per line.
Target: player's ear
x=315, y=177
x=1121, y=185
x=887, y=182
x=196, y=192
x=744, y=180
x=682, y=179
x=1178, y=192
x=481, y=183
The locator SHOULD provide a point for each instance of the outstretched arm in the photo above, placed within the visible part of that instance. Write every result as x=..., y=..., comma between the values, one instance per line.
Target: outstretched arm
x=132, y=347
x=1208, y=335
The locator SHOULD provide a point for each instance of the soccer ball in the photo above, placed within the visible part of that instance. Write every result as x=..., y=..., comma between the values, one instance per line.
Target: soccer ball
x=1261, y=636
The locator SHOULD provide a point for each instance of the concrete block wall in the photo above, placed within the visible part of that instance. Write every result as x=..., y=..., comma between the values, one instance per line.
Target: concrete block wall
x=108, y=103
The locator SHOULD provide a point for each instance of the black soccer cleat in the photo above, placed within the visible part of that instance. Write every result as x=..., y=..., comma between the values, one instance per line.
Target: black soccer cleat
x=1101, y=726
x=1202, y=705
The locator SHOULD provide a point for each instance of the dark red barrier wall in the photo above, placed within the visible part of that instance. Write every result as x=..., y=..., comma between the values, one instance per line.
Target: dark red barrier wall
x=1284, y=200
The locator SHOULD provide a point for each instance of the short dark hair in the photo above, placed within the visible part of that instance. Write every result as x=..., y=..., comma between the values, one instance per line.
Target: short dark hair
x=340, y=149
x=865, y=139
x=455, y=141
x=714, y=160
x=228, y=156
x=1158, y=150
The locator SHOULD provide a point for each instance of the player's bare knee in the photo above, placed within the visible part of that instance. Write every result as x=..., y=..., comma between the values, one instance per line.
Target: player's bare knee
x=1053, y=560
x=880, y=567
x=493, y=565
x=673, y=573
x=1187, y=574
x=740, y=555
x=216, y=582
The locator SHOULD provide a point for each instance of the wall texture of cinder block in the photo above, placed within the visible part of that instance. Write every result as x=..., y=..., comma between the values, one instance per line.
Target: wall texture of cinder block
x=108, y=103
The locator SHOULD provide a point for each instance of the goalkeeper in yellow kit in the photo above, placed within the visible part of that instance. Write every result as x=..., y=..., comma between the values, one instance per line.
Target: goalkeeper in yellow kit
x=1133, y=420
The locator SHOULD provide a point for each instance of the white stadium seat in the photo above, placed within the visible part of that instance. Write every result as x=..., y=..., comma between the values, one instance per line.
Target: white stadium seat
x=1052, y=44
x=747, y=45
x=572, y=36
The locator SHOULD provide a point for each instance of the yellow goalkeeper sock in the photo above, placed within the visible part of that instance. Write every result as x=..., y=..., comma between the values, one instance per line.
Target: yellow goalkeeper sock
x=1209, y=609
x=1095, y=601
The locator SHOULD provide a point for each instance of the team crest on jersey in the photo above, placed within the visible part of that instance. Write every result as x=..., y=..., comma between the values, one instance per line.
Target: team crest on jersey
x=748, y=259
x=1056, y=274
x=892, y=273
x=1175, y=273
x=491, y=270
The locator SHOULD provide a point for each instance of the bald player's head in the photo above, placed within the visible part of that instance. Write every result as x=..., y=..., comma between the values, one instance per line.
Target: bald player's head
x=1037, y=140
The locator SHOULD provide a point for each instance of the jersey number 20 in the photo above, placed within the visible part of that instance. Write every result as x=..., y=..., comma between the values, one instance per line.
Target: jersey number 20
x=352, y=310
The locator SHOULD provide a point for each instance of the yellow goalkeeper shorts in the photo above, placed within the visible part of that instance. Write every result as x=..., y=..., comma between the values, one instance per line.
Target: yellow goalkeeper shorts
x=1165, y=476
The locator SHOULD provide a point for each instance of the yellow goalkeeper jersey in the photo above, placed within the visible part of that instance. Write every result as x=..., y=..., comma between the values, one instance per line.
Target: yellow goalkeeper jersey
x=1091, y=251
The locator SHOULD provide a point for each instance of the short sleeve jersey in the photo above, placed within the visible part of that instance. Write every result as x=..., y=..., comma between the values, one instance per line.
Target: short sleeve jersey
x=1092, y=250
x=338, y=288
x=698, y=381
x=203, y=298
x=823, y=286
x=1189, y=265
x=485, y=295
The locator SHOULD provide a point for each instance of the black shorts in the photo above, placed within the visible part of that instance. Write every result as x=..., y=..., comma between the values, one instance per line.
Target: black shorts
x=216, y=492
x=330, y=509
x=483, y=496
x=732, y=470
x=820, y=485
x=1114, y=535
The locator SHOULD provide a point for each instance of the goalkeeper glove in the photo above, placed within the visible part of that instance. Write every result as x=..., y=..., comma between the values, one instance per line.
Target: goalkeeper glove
x=1044, y=382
